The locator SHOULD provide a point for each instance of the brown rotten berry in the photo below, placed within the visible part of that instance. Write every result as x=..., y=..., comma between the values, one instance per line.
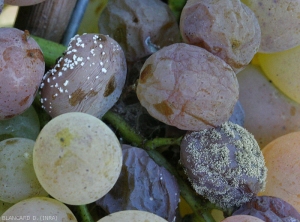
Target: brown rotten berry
x=224, y=164
x=88, y=78
x=139, y=26
x=187, y=87
x=22, y=67
x=226, y=28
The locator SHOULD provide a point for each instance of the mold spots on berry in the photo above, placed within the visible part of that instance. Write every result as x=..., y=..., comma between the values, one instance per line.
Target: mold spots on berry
x=91, y=69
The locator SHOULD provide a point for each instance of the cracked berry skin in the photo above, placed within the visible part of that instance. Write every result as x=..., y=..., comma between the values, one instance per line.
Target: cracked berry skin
x=226, y=28
x=187, y=87
x=139, y=26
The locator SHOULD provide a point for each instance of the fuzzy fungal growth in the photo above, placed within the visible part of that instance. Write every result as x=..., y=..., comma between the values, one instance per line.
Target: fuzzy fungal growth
x=224, y=164
x=88, y=78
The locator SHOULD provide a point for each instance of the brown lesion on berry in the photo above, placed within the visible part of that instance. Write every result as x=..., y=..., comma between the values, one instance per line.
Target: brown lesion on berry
x=101, y=38
x=235, y=44
x=24, y=101
x=78, y=95
x=146, y=73
x=163, y=108
x=35, y=54
x=25, y=36
x=110, y=87
x=11, y=141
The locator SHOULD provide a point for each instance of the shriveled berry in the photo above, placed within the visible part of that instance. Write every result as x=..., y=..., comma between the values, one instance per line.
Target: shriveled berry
x=22, y=67
x=269, y=209
x=226, y=28
x=139, y=26
x=142, y=185
x=187, y=87
x=89, y=77
x=224, y=164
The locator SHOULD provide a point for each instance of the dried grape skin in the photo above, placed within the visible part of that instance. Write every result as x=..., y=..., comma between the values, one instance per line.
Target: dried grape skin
x=22, y=68
x=269, y=209
x=89, y=77
x=187, y=87
x=226, y=28
x=224, y=164
x=135, y=26
x=157, y=192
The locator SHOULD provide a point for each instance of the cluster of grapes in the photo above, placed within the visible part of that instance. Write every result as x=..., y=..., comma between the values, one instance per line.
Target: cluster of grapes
x=187, y=78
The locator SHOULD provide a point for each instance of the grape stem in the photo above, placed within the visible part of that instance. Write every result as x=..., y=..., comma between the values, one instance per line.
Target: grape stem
x=84, y=213
x=201, y=208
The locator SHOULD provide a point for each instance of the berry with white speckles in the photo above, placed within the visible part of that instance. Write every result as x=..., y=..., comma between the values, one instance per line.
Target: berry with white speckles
x=89, y=77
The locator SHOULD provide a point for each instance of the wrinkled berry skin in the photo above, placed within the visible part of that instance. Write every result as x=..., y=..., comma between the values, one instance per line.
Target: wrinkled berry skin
x=226, y=28
x=224, y=164
x=142, y=185
x=187, y=87
x=269, y=209
x=139, y=26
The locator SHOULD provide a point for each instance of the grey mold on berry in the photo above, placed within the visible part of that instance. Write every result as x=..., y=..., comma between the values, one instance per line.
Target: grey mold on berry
x=224, y=164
